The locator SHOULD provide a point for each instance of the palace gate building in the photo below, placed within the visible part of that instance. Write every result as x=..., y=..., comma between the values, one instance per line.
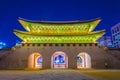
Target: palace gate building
x=58, y=44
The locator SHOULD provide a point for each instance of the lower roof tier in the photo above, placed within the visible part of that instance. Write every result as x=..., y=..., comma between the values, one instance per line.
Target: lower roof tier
x=90, y=38
x=55, y=33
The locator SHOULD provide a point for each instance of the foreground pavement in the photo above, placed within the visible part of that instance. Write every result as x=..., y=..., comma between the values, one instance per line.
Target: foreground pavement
x=57, y=75
x=44, y=75
x=63, y=74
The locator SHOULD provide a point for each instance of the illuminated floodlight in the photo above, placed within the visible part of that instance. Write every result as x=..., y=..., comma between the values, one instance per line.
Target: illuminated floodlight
x=2, y=45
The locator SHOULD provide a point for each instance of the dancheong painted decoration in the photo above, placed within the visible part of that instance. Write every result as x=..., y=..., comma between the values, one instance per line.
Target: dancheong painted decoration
x=59, y=31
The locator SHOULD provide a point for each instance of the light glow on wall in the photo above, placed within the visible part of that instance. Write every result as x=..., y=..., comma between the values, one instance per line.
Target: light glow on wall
x=35, y=60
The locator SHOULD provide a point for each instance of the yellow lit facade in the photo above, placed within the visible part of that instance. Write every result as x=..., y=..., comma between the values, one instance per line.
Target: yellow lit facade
x=59, y=32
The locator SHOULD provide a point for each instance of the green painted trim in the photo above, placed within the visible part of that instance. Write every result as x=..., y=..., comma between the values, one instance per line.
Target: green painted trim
x=91, y=38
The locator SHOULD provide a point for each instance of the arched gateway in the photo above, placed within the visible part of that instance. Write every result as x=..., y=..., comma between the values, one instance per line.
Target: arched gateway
x=35, y=61
x=59, y=60
x=83, y=60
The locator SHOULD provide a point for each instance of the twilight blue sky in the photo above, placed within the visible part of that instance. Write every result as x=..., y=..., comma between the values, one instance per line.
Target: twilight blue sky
x=10, y=10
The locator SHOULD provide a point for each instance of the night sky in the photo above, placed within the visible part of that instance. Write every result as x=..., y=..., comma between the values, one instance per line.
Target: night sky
x=52, y=10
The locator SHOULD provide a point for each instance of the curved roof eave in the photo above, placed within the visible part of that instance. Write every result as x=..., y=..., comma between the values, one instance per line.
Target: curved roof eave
x=59, y=22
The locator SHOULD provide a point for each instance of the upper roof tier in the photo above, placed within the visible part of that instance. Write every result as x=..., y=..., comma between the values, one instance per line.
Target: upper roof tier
x=59, y=27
